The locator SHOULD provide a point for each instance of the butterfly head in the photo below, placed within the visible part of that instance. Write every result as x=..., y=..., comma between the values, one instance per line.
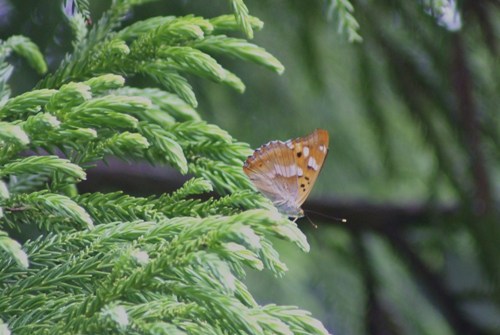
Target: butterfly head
x=291, y=211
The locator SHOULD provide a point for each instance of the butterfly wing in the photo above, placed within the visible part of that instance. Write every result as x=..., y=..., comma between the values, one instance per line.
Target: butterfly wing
x=285, y=172
x=273, y=171
x=310, y=153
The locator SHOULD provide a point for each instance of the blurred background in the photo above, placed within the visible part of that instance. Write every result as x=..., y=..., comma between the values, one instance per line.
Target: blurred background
x=414, y=164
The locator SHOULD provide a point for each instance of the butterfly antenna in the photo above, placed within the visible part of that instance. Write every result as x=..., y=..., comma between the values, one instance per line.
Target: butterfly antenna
x=312, y=223
x=343, y=220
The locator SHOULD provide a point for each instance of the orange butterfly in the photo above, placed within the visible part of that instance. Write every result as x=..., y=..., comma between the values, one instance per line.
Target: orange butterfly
x=285, y=172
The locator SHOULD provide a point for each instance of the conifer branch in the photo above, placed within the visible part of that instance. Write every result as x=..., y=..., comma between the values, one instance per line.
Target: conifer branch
x=25, y=48
x=346, y=21
x=42, y=165
x=13, y=248
x=112, y=262
x=228, y=23
x=242, y=17
x=163, y=49
x=52, y=210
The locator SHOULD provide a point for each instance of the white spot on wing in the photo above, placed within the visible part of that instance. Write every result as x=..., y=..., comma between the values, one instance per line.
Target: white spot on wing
x=291, y=171
x=312, y=163
x=289, y=144
x=322, y=148
x=306, y=151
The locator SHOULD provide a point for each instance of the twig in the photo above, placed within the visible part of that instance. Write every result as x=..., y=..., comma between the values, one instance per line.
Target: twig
x=470, y=129
x=438, y=292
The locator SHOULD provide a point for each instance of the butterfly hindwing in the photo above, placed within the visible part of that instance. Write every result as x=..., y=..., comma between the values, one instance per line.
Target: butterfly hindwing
x=271, y=169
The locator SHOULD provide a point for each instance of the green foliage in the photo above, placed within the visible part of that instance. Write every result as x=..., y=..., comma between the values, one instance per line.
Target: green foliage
x=165, y=49
x=346, y=21
x=23, y=47
x=14, y=250
x=115, y=263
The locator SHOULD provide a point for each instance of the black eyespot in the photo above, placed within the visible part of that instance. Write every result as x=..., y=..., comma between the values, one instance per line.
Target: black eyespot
x=302, y=185
x=307, y=178
x=303, y=190
x=299, y=154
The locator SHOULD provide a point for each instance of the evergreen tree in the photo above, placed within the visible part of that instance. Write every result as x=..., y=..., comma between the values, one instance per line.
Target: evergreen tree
x=116, y=263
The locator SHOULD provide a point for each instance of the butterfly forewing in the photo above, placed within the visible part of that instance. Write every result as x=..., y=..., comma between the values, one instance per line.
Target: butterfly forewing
x=310, y=152
x=285, y=172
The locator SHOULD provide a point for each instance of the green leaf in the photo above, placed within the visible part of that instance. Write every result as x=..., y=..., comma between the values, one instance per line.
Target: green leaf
x=26, y=103
x=27, y=49
x=299, y=321
x=69, y=95
x=183, y=28
x=60, y=205
x=4, y=191
x=242, y=17
x=126, y=145
x=194, y=61
x=49, y=209
x=193, y=186
x=163, y=148
x=14, y=134
x=13, y=248
x=44, y=165
x=171, y=80
x=199, y=131
x=39, y=124
x=105, y=82
x=228, y=23
x=108, y=111
x=143, y=27
x=164, y=101
x=241, y=49
x=346, y=20
x=163, y=328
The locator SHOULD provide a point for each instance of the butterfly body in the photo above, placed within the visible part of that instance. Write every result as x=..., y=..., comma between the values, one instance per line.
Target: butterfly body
x=285, y=172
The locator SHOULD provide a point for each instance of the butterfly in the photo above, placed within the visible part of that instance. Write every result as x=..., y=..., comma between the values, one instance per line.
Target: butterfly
x=285, y=172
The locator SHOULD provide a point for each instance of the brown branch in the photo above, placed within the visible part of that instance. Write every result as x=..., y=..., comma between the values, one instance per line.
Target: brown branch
x=433, y=284
x=136, y=179
x=364, y=215
x=141, y=179
x=377, y=320
x=481, y=10
x=483, y=219
x=470, y=128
